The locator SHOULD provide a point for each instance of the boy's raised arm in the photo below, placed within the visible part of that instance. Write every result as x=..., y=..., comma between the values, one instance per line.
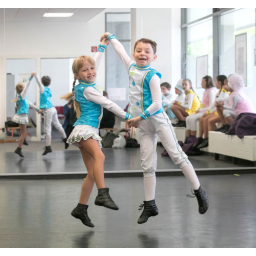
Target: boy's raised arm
x=39, y=83
x=127, y=61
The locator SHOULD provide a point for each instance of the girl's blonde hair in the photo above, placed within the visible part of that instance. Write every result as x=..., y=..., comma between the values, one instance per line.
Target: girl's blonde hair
x=77, y=65
x=19, y=88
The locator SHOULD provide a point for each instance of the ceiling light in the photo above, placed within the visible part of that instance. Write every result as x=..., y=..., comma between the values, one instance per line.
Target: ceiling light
x=58, y=15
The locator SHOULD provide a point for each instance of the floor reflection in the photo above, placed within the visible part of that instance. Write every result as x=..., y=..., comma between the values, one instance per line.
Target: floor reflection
x=148, y=240
x=83, y=241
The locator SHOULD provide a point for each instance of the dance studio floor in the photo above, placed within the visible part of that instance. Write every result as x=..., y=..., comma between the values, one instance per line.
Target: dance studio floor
x=38, y=193
x=36, y=213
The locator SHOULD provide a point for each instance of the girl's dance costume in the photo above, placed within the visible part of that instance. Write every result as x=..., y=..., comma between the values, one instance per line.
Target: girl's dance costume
x=23, y=105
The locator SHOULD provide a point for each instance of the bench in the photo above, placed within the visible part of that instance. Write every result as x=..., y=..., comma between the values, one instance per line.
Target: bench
x=231, y=145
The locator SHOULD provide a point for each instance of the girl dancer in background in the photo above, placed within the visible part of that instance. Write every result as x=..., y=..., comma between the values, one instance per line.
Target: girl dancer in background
x=21, y=117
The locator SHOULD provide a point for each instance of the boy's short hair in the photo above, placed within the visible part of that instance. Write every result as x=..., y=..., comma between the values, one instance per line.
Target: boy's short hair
x=166, y=85
x=105, y=93
x=147, y=41
x=46, y=80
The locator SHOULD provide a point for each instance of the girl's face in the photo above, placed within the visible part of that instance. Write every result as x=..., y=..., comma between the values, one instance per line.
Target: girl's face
x=203, y=84
x=218, y=84
x=144, y=54
x=227, y=88
x=186, y=85
x=87, y=72
x=164, y=90
x=177, y=91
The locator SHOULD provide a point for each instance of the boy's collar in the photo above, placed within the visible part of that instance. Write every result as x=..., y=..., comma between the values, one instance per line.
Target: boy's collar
x=141, y=68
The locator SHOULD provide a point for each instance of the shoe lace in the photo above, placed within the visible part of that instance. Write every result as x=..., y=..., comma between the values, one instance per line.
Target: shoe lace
x=191, y=196
x=86, y=216
x=141, y=207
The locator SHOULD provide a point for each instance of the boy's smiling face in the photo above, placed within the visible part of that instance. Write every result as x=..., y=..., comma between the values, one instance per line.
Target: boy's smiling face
x=144, y=54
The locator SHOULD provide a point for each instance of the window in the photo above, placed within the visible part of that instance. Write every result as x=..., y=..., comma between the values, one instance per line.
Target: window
x=197, y=13
x=117, y=80
x=199, y=43
x=238, y=22
x=215, y=36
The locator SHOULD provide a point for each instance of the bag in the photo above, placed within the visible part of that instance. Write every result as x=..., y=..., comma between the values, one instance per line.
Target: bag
x=187, y=146
x=119, y=142
x=108, y=139
x=132, y=143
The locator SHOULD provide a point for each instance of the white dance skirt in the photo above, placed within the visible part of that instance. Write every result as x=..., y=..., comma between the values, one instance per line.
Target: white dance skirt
x=20, y=119
x=83, y=132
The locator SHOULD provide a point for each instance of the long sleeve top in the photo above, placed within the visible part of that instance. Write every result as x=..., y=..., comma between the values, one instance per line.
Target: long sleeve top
x=187, y=104
x=212, y=96
x=222, y=96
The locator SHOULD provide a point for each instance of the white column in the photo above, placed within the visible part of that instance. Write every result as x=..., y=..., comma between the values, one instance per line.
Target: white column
x=136, y=26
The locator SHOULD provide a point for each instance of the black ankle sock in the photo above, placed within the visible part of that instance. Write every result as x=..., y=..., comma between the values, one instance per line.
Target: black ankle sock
x=196, y=190
x=81, y=205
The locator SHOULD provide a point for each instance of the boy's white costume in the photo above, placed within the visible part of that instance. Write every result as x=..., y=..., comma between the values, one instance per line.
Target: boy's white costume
x=145, y=100
x=49, y=111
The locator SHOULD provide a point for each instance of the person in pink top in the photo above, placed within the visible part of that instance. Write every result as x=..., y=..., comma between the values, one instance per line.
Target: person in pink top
x=208, y=99
x=238, y=102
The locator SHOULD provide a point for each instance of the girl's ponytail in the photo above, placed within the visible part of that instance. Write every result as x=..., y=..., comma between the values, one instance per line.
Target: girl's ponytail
x=15, y=100
x=71, y=96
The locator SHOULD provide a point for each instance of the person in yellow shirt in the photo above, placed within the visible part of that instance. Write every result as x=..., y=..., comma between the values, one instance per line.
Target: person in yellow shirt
x=190, y=106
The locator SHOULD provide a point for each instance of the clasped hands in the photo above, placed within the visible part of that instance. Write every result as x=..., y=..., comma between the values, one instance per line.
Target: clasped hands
x=134, y=122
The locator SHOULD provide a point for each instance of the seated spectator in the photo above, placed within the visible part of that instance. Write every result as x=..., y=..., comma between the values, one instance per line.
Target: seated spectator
x=180, y=97
x=167, y=97
x=190, y=105
x=209, y=96
x=210, y=117
x=238, y=103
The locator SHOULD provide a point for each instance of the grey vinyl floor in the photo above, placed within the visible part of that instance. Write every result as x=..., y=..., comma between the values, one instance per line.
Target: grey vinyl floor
x=36, y=213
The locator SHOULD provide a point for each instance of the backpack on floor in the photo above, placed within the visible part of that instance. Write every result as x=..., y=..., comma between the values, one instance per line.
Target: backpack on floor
x=108, y=139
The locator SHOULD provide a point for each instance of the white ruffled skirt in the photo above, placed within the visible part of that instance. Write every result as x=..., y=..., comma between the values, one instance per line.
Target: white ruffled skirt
x=83, y=132
x=20, y=119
